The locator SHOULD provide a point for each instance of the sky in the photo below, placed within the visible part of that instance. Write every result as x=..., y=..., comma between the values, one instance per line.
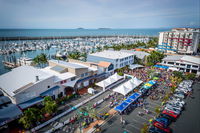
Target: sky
x=69, y=14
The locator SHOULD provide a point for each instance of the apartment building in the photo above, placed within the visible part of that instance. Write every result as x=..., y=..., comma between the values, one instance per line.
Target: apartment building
x=179, y=40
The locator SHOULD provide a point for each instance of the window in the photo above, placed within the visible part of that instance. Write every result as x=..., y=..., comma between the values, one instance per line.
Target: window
x=182, y=64
x=72, y=79
x=188, y=66
x=194, y=66
x=65, y=81
x=82, y=75
x=61, y=82
x=171, y=63
x=177, y=63
x=86, y=74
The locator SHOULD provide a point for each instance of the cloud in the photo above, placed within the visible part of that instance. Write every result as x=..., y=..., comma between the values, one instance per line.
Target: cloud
x=96, y=13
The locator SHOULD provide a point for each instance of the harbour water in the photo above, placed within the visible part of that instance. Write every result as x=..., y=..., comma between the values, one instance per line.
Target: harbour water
x=77, y=32
x=68, y=32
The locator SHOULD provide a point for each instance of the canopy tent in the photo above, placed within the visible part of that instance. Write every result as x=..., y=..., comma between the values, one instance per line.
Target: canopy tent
x=122, y=89
x=127, y=102
x=125, y=88
x=136, y=81
x=155, y=78
x=110, y=80
x=152, y=82
x=149, y=84
x=135, y=96
x=146, y=87
x=122, y=106
x=128, y=86
x=160, y=66
x=134, y=66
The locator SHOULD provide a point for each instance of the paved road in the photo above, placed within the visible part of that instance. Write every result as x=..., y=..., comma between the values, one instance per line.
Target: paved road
x=189, y=121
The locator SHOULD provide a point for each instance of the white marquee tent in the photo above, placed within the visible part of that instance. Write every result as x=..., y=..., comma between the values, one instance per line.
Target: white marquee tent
x=110, y=80
x=128, y=86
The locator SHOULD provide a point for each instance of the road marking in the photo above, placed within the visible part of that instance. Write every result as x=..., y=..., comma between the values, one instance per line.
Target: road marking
x=142, y=118
x=133, y=126
x=156, y=104
x=137, y=121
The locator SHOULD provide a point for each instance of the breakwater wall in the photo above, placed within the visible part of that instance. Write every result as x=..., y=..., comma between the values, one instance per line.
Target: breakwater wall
x=63, y=37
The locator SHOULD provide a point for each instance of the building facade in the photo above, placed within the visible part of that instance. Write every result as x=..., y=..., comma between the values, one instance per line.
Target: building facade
x=179, y=40
x=183, y=63
x=117, y=59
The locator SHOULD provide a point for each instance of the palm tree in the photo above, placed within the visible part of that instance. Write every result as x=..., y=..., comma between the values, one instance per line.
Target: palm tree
x=40, y=60
x=30, y=117
x=75, y=55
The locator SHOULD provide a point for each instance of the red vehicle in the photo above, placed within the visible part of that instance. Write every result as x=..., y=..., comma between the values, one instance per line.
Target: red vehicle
x=170, y=113
x=162, y=127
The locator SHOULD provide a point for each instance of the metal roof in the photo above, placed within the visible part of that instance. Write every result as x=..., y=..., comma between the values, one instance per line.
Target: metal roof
x=139, y=54
x=68, y=64
x=191, y=59
x=30, y=102
x=20, y=78
x=58, y=68
x=4, y=100
x=112, y=54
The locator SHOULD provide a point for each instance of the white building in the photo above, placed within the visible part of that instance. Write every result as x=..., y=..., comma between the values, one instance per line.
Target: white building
x=117, y=59
x=179, y=40
x=183, y=63
x=26, y=85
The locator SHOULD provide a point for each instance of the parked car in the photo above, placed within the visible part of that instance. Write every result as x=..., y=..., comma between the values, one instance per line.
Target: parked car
x=172, y=109
x=163, y=121
x=168, y=117
x=176, y=103
x=153, y=129
x=177, y=100
x=174, y=106
x=162, y=127
x=170, y=113
x=179, y=95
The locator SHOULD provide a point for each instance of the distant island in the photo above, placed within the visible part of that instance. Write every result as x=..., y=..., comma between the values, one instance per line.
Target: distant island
x=104, y=28
x=80, y=28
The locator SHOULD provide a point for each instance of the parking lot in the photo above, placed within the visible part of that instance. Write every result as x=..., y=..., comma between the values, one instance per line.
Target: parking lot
x=134, y=122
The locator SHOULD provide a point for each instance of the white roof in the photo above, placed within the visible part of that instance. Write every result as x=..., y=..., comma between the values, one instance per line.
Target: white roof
x=112, y=54
x=134, y=66
x=21, y=78
x=110, y=80
x=191, y=59
x=59, y=76
x=139, y=54
x=128, y=86
x=68, y=64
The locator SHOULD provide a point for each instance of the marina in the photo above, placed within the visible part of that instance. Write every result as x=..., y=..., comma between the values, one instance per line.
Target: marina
x=11, y=51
